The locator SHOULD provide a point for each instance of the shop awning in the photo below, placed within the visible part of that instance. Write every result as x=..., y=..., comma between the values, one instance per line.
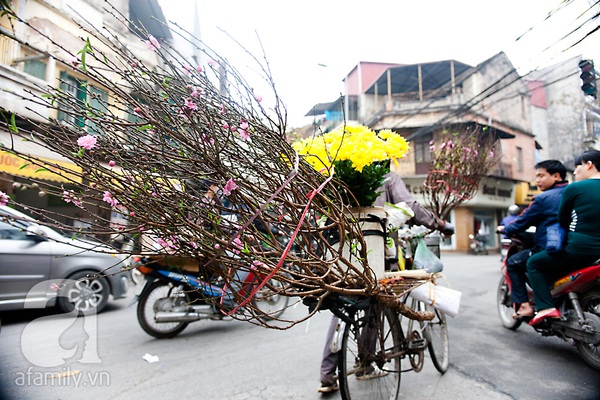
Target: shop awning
x=51, y=166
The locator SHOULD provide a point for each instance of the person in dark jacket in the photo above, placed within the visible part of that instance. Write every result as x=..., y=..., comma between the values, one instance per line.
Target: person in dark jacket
x=542, y=212
x=578, y=214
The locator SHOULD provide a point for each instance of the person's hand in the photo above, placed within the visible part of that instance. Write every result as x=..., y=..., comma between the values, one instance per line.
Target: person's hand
x=448, y=229
x=500, y=229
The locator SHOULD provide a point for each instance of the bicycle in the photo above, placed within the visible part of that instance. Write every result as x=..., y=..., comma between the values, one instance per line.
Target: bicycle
x=435, y=332
x=374, y=342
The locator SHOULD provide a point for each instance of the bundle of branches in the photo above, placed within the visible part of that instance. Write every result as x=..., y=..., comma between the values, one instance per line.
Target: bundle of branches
x=459, y=161
x=192, y=159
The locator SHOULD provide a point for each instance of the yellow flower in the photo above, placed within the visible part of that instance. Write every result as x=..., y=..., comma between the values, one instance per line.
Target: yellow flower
x=359, y=144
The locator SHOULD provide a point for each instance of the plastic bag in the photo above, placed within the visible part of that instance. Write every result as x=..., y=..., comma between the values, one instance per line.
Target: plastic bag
x=556, y=236
x=398, y=214
x=336, y=340
x=426, y=259
x=440, y=297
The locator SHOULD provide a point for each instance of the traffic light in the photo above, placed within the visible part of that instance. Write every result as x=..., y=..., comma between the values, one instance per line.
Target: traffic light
x=588, y=77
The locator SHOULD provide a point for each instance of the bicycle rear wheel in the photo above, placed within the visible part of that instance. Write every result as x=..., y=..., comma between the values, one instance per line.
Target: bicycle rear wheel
x=270, y=303
x=369, y=360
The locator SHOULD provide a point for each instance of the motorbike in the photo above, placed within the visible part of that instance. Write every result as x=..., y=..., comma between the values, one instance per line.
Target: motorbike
x=576, y=295
x=504, y=246
x=478, y=244
x=169, y=298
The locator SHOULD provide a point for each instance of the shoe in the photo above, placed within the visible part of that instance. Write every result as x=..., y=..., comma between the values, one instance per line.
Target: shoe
x=525, y=313
x=542, y=315
x=328, y=388
x=370, y=372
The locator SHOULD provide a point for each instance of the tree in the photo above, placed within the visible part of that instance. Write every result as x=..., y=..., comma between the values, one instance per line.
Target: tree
x=459, y=161
x=170, y=135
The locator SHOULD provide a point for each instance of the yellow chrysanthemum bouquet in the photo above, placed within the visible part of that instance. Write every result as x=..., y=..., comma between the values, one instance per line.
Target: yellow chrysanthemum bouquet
x=357, y=156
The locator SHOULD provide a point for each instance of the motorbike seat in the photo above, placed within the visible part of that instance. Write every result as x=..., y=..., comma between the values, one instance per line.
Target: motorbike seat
x=589, y=273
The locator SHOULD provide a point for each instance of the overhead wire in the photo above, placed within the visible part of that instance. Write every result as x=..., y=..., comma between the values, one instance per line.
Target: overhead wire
x=487, y=92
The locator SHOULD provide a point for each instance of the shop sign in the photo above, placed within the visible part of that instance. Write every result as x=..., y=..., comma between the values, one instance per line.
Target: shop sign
x=46, y=169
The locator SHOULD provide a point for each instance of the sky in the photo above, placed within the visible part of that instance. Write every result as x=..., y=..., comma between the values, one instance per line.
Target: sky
x=311, y=45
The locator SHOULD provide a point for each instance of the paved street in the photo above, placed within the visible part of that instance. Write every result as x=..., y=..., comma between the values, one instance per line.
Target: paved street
x=239, y=361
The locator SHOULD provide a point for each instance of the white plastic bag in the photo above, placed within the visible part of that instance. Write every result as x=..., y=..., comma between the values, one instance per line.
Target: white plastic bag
x=426, y=259
x=440, y=297
x=398, y=214
x=336, y=340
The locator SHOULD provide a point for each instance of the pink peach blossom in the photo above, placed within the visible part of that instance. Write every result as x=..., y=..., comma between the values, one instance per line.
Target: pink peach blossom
x=74, y=62
x=152, y=43
x=230, y=186
x=108, y=197
x=3, y=199
x=189, y=105
x=88, y=142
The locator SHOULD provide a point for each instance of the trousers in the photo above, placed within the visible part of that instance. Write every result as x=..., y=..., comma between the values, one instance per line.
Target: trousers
x=544, y=269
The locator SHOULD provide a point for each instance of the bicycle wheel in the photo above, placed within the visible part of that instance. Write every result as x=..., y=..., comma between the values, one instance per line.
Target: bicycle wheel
x=270, y=303
x=369, y=360
x=415, y=342
x=438, y=343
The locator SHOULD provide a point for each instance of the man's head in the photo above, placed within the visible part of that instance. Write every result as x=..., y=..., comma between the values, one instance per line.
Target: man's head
x=548, y=173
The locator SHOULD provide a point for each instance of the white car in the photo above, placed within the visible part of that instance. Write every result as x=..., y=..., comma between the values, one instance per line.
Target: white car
x=40, y=267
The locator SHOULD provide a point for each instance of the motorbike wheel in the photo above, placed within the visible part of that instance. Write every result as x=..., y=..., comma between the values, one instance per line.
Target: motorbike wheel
x=590, y=352
x=159, y=297
x=269, y=303
x=506, y=307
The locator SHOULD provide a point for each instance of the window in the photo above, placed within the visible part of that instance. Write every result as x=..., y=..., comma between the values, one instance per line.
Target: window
x=80, y=97
x=519, y=159
x=423, y=153
x=13, y=232
x=98, y=102
x=71, y=106
x=35, y=68
x=353, y=111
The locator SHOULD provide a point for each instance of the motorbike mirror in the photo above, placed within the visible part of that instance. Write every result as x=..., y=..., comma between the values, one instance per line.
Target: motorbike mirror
x=471, y=236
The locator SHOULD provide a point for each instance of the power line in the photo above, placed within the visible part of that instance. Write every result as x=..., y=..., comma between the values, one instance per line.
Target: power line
x=468, y=105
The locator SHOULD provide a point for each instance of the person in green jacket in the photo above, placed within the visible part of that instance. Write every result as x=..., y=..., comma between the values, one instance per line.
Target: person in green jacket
x=579, y=214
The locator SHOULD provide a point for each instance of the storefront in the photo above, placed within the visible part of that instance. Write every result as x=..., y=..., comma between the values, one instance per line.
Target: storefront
x=482, y=213
x=29, y=182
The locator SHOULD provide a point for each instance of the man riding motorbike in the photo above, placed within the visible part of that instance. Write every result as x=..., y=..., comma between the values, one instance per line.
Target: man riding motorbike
x=542, y=212
x=579, y=214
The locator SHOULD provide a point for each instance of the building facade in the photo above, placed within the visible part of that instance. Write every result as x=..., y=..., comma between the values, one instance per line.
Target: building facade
x=423, y=101
x=30, y=62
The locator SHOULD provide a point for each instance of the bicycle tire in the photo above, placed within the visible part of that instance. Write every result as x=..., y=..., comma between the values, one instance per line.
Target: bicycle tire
x=381, y=325
x=269, y=303
x=413, y=329
x=438, y=341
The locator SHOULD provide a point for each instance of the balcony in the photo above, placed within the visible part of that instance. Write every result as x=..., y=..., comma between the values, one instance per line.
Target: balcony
x=19, y=66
